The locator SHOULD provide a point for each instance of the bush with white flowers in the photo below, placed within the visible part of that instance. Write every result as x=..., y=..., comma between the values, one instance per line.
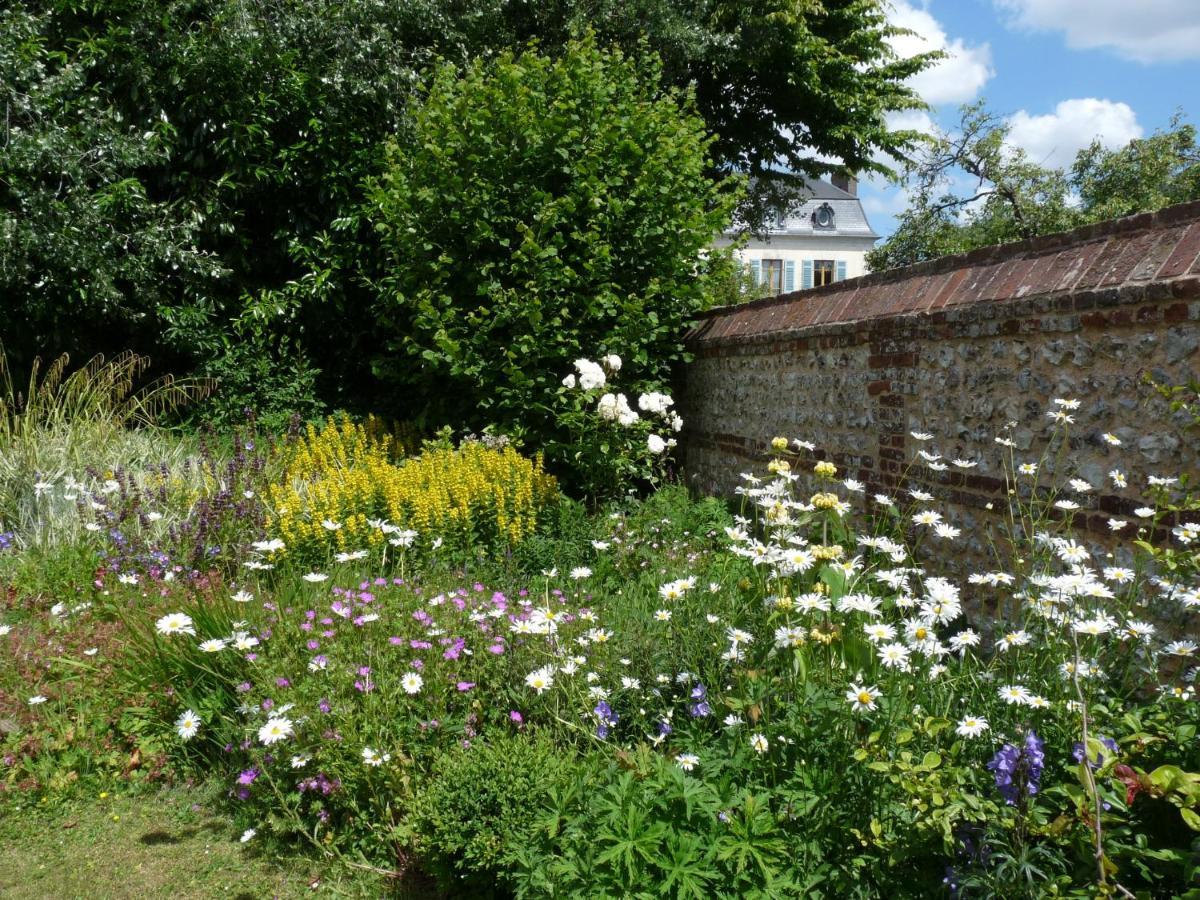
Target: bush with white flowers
x=614, y=444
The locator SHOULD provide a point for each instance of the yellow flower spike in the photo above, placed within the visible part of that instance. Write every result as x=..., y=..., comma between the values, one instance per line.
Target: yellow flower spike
x=344, y=472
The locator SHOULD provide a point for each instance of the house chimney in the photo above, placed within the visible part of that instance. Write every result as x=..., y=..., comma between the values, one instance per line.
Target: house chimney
x=847, y=183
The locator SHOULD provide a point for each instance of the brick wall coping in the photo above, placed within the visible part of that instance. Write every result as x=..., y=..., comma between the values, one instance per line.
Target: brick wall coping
x=1117, y=261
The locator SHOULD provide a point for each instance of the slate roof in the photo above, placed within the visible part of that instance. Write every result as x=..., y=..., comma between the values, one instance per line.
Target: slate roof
x=849, y=218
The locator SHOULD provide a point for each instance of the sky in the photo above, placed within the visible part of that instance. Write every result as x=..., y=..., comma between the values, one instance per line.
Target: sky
x=1061, y=72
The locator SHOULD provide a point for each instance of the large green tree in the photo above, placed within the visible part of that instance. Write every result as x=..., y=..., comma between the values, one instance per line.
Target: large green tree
x=973, y=188
x=88, y=250
x=266, y=117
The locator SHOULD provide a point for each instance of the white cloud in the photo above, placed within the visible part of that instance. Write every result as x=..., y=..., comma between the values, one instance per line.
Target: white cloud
x=1143, y=30
x=1055, y=138
x=911, y=120
x=882, y=202
x=956, y=79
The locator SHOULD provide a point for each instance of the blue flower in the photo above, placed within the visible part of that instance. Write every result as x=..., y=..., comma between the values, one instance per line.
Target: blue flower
x=1018, y=770
x=1106, y=742
x=608, y=719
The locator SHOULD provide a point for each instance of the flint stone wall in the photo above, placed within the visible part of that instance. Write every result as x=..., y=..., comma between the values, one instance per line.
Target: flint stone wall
x=960, y=347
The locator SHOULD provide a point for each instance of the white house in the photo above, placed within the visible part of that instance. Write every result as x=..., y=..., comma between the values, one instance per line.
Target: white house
x=825, y=241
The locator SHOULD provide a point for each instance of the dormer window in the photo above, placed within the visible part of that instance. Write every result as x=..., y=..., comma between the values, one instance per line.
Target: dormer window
x=822, y=217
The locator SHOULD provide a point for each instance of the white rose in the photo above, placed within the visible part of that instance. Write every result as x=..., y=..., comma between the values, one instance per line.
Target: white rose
x=590, y=374
x=656, y=444
x=607, y=407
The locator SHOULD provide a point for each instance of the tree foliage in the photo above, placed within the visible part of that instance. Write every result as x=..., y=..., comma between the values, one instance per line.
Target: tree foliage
x=785, y=85
x=183, y=176
x=87, y=249
x=544, y=209
x=973, y=188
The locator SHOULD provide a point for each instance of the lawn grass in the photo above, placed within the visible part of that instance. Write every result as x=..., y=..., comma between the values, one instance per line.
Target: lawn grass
x=170, y=843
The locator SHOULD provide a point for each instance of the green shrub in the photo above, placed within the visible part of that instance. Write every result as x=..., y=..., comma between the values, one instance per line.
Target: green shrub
x=645, y=823
x=547, y=209
x=480, y=803
x=273, y=385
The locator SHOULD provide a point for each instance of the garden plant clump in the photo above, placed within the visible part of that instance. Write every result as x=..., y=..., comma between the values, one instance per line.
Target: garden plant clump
x=429, y=664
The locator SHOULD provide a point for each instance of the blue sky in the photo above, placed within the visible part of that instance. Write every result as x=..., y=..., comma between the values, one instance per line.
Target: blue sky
x=1064, y=72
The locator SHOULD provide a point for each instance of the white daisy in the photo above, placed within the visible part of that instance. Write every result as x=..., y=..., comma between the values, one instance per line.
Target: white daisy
x=972, y=726
x=175, y=623
x=187, y=725
x=276, y=729
x=411, y=683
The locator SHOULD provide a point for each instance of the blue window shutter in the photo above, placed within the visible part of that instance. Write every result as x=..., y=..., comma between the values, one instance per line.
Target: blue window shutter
x=789, y=276
x=806, y=276
x=756, y=271
x=841, y=270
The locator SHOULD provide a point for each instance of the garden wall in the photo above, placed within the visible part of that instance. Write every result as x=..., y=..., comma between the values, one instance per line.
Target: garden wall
x=961, y=346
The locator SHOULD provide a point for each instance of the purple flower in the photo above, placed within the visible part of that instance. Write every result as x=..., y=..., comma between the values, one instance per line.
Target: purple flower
x=607, y=717
x=324, y=706
x=1019, y=770
x=465, y=685
x=247, y=777
x=516, y=716
x=1106, y=742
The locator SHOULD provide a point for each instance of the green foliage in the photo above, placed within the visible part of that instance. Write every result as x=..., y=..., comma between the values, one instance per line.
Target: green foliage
x=88, y=247
x=178, y=174
x=783, y=86
x=547, y=209
x=270, y=385
x=479, y=804
x=1011, y=197
x=1144, y=175
x=644, y=828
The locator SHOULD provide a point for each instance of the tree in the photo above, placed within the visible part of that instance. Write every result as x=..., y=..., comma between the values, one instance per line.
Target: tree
x=972, y=188
x=268, y=117
x=788, y=87
x=1146, y=174
x=544, y=210
x=87, y=251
